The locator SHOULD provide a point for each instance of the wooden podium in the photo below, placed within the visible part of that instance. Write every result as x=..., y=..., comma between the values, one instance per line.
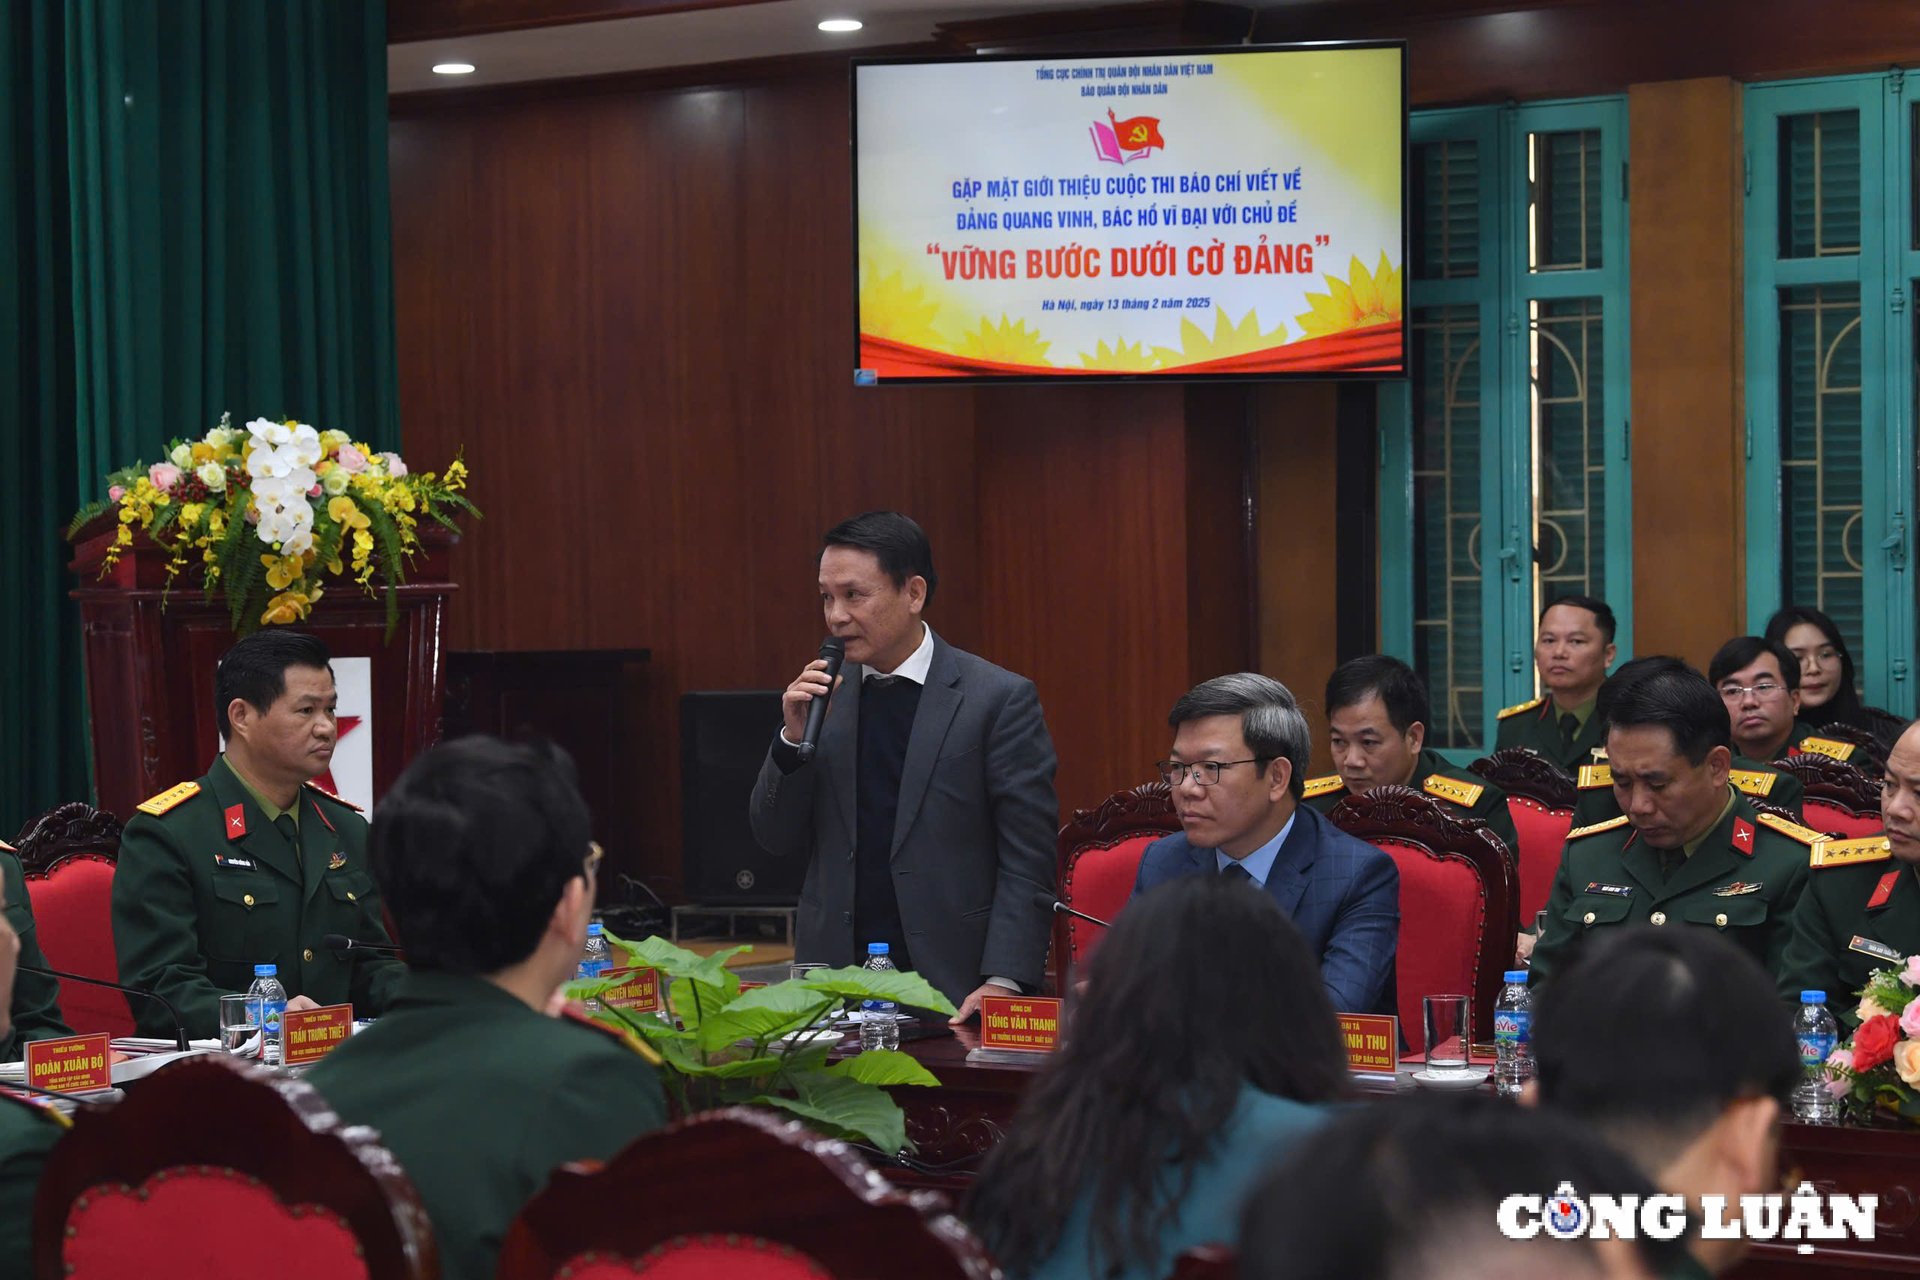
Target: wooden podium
x=150, y=670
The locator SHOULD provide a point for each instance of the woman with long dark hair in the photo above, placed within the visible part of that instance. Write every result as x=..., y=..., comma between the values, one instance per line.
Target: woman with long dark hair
x=1202, y=1049
x=1827, y=693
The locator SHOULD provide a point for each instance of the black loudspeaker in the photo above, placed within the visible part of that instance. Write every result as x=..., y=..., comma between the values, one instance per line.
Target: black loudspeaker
x=723, y=741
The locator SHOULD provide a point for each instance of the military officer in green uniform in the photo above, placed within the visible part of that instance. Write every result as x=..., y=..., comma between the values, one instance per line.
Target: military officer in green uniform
x=1572, y=649
x=482, y=848
x=1689, y=849
x=36, y=999
x=1377, y=718
x=1861, y=910
x=1760, y=681
x=27, y=1129
x=252, y=864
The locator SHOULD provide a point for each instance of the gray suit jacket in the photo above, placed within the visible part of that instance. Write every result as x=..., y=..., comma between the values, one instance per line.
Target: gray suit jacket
x=973, y=841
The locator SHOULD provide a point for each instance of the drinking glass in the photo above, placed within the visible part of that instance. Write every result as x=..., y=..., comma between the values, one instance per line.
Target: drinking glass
x=1448, y=1026
x=239, y=1028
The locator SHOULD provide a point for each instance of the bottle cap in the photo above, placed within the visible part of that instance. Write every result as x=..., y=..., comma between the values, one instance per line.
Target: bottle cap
x=878, y=949
x=266, y=970
x=1813, y=997
x=594, y=929
x=1517, y=975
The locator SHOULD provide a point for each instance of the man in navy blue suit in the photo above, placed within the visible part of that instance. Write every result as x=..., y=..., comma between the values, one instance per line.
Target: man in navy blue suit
x=1240, y=749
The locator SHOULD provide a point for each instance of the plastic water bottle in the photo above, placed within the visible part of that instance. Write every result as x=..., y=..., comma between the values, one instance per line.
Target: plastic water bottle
x=1513, y=1036
x=266, y=1004
x=594, y=960
x=1817, y=1033
x=879, y=1025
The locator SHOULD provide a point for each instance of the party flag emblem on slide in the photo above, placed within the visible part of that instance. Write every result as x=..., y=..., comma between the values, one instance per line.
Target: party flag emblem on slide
x=1120, y=141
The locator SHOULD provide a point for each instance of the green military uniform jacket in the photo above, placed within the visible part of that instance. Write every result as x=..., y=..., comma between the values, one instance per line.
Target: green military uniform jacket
x=1743, y=879
x=207, y=888
x=481, y=1098
x=36, y=999
x=1594, y=801
x=1861, y=912
x=27, y=1132
x=1535, y=725
x=1456, y=789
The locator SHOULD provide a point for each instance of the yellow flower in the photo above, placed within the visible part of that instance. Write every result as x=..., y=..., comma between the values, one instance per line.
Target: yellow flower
x=456, y=477
x=1364, y=298
x=345, y=511
x=288, y=606
x=191, y=513
x=283, y=571
x=202, y=452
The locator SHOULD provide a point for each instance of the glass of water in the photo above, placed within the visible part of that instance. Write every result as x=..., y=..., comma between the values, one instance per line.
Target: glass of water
x=240, y=1027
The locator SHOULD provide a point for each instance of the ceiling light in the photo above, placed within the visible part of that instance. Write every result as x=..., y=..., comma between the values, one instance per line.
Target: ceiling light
x=453, y=68
x=840, y=26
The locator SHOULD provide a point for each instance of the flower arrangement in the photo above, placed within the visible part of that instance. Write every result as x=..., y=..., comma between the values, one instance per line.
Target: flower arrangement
x=269, y=508
x=1879, y=1069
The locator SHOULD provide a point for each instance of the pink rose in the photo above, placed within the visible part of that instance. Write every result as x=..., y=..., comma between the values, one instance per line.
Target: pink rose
x=352, y=459
x=115, y=492
x=396, y=468
x=164, y=475
x=1910, y=1020
x=1839, y=1085
x=314, y=492
x=1906, y=1061
x=1910, y=973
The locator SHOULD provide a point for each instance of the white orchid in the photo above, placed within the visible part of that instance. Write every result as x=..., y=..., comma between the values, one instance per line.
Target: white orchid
x=268, y=462
x=182, y=457
x=212, y=475
x=270, y=432
x=305, y=446
x=299, y=544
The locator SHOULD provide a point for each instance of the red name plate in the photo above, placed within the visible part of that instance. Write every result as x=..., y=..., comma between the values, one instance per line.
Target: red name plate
x=1373, y=1042
x=310, y=1034
x=639, y=990
x=1019, y=1022
x=77, y=1064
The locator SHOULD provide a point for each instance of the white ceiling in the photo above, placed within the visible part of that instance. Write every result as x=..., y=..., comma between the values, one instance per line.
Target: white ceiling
x=730, y=34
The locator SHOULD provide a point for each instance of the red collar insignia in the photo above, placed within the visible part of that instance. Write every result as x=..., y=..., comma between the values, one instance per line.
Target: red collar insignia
x=1883, y=892
x=322, y=812
x=236, y=821
x=1743, y=836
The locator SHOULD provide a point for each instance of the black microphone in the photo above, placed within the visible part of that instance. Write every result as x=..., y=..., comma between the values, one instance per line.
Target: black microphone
x=834, y=650
x=1047, y=902
x=341, y=942
x=179, y=1027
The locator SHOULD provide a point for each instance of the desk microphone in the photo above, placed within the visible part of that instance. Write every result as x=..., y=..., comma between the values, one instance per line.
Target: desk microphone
x=179, y=1027
x=834, y=650
x=1047, y=902
x=341, y=942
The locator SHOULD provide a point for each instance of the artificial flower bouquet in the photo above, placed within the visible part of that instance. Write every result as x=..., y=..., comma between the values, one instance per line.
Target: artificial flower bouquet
x=1879, y=1069
x=270, y=508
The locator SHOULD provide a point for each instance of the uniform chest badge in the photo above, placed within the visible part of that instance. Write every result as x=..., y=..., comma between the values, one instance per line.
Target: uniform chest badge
x=229, y=860
x=1611, y=890
x=1878, y=950
x=336, y=862
x=1738, y=889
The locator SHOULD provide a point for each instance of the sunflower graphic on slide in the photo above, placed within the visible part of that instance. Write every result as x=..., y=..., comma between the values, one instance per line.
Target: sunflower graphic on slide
x=1122, y=141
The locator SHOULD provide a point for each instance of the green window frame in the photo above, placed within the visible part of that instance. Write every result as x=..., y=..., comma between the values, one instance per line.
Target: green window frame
x=1517, y=401
x=1832, y=236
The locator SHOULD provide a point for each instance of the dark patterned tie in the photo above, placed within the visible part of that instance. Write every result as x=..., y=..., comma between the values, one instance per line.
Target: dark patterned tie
x=1237, y=873
x=284, y=825
x=878, y=682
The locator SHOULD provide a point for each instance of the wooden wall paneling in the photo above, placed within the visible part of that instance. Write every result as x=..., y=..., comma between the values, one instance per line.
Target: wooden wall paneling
x=1221, y=624
x=1297, y=543
x=1684, y=221
x=409, y=20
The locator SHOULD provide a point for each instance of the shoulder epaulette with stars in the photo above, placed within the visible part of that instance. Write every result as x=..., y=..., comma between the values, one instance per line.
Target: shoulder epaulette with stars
x=1849, y=853
x=1597, y=827
x=1595, y=776
x=1786, y=827
x=316, y=787
x=1452, y=790
x=1827, y=747
x=1314, y=788
x=1753, y=782
x=1518, y=707
x=171, y=798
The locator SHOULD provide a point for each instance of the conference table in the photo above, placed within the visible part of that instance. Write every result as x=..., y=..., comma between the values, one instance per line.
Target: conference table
x=954, y=1126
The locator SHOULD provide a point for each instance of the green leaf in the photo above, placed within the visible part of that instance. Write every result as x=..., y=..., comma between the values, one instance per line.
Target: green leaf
x=844, y=1108
x=765, y=1013
x=871, y=984
x=744, y=1067
x=884, y=1067
x=678, y=962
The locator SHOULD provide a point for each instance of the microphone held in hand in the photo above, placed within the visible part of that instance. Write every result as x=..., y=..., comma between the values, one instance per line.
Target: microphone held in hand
x=834, y=650
x=1047, y=902
x=179, y=1027
x=341, y=942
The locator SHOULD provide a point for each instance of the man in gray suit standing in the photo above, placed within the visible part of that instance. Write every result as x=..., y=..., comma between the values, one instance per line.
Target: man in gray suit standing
x=927, y=814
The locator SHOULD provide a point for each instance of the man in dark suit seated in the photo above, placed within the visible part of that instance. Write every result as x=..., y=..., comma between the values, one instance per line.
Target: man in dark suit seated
x=482, y=849
x=1240, y=749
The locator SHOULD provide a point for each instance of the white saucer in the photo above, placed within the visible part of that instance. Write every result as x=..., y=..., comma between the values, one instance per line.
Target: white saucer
x=1463, y=1078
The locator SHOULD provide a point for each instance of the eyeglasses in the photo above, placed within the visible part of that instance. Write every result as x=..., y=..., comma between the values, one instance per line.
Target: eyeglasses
x=1764, y=690
x=1821, y=656
x=1204, y=772
x=595, y=856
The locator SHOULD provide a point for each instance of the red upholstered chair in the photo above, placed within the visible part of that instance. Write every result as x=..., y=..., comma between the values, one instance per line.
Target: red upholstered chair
x=215, y=1169
x=1207, y=1262
x=69, y=855
x=1841, y=797
x=1098, y=857
x=1540, y=799
x=1457, y=901
x=673, y=1206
